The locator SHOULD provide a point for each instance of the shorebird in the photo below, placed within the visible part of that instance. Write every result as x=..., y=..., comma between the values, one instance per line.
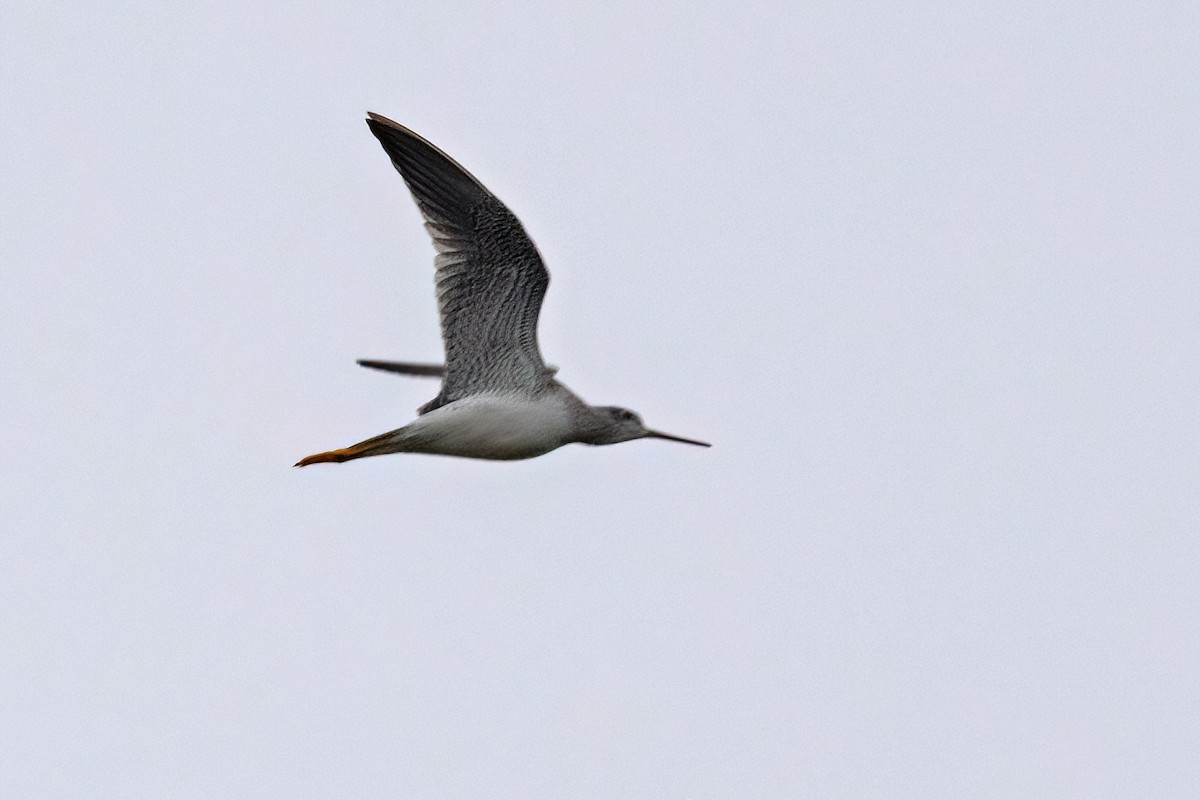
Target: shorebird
x=498, y=400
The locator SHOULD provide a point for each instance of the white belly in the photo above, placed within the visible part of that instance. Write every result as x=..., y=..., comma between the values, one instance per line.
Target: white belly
x=496, y=427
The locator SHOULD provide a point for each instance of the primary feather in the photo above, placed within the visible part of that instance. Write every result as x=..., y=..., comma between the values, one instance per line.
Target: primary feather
x=490, y=277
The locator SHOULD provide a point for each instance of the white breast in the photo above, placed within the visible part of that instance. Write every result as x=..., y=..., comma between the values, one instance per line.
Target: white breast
x=493, y=426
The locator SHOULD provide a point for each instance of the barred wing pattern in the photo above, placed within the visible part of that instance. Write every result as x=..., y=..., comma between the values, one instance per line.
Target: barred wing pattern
x=490, y=278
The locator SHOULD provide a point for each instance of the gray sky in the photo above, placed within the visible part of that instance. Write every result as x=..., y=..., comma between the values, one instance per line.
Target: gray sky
x=927, y=276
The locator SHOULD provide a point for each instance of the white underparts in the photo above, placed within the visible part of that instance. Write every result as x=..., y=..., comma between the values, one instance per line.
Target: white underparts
x=492, y=426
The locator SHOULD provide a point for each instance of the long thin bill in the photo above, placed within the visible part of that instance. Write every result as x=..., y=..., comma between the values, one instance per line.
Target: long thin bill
x=669, y=437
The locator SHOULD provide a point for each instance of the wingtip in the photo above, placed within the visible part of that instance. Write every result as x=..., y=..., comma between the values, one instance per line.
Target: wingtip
x=404, y=367
x=379, y=119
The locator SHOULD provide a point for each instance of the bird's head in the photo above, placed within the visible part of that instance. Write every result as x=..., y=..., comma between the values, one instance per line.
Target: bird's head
x=615, y=425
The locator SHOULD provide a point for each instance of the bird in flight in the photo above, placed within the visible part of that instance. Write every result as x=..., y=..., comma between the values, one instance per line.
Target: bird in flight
x=498, y=400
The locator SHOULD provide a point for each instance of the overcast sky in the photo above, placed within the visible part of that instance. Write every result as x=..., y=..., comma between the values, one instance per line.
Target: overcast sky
x=927, y=277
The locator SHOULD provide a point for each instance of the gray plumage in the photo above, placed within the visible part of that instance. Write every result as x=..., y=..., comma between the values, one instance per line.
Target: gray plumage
x=490, y=277
x=498, y=399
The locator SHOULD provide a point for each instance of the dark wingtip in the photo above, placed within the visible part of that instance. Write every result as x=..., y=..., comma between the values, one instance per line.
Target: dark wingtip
x=374, y=119
x=404, y=367
x=378, y=123
x=432, y=175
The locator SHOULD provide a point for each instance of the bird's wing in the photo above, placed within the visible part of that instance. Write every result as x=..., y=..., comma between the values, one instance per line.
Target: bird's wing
x=490, y=278
x=405, y=367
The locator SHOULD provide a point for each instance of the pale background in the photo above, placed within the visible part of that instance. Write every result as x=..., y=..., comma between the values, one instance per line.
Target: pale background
x=927, y=275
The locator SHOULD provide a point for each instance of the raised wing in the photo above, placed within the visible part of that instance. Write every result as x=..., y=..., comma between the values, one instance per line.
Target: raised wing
x=490, y=278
